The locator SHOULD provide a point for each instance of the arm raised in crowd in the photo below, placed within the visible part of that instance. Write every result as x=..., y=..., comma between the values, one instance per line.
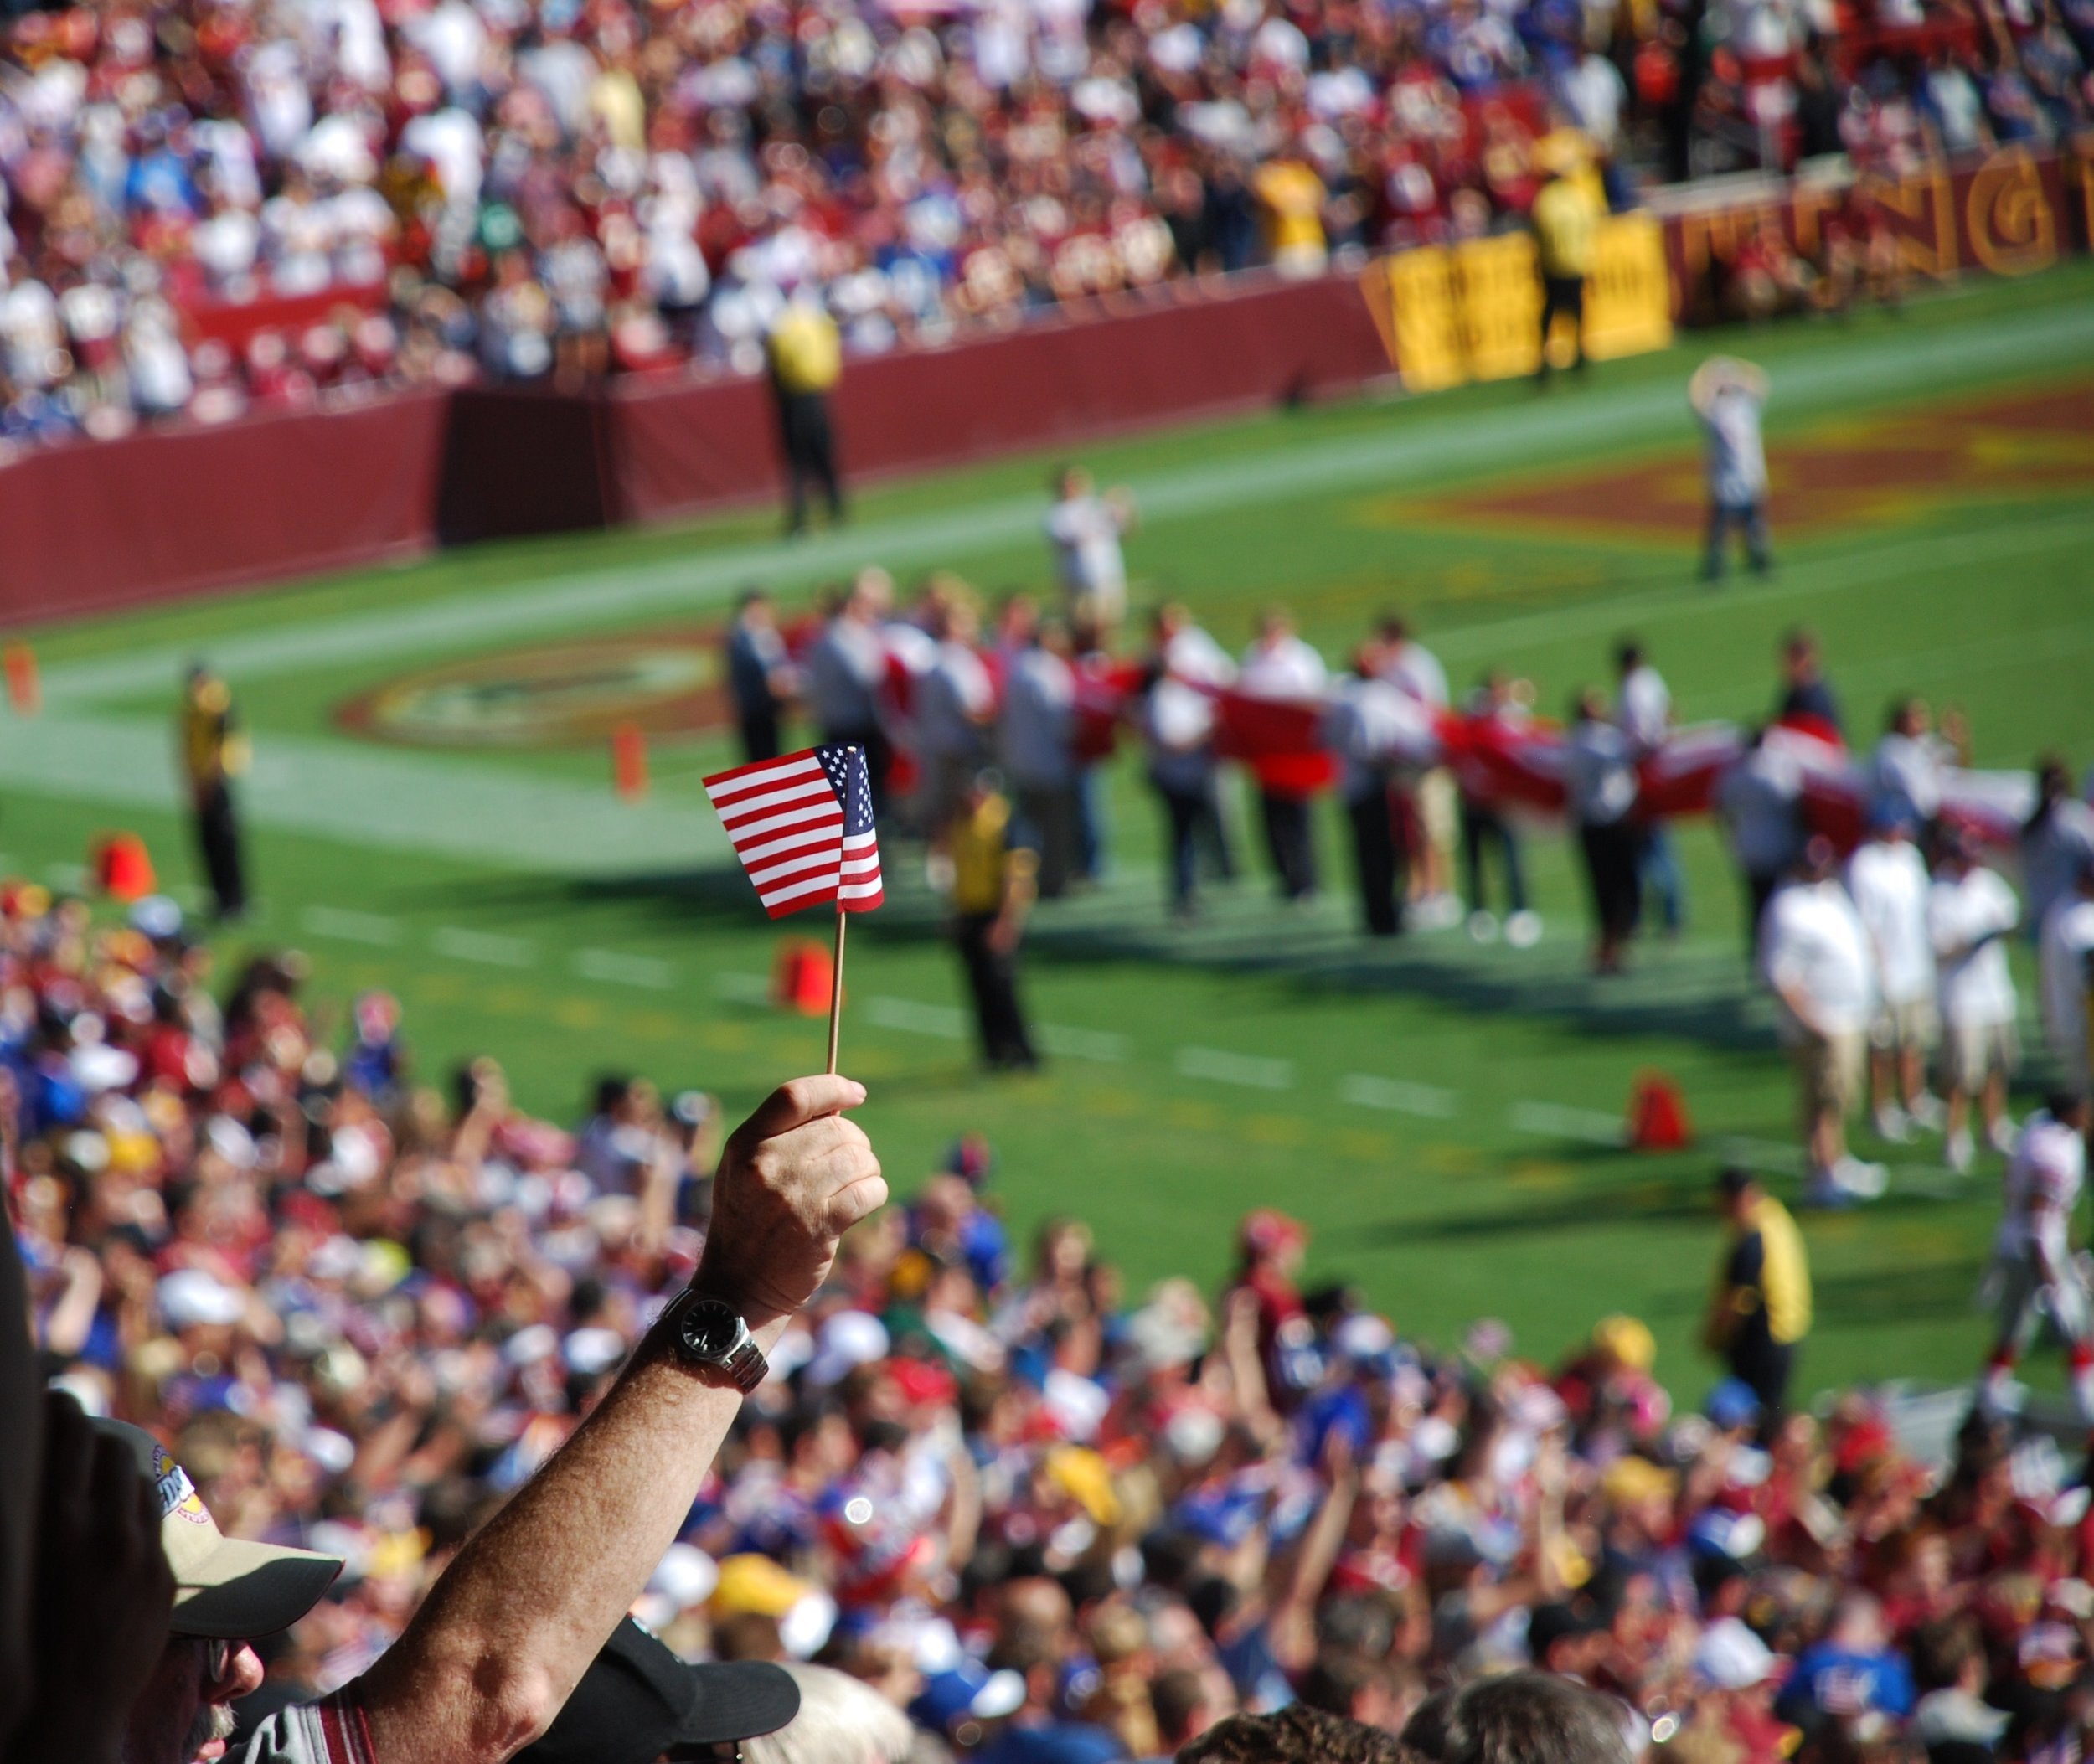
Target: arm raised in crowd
x=509, y=1630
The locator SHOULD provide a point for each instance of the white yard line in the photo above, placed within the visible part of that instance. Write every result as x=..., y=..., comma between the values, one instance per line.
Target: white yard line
x=1559, y=1121
x=1400, y=1095
x=489, y=947
x=742, y=988
x=620, y=968
x=941, y=1020
x=1067, y=1042
x=1253, y=1071
x=345, y=925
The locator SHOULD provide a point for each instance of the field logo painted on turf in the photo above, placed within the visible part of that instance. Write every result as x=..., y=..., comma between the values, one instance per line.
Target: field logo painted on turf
x=1884, y=469
x=560, y=694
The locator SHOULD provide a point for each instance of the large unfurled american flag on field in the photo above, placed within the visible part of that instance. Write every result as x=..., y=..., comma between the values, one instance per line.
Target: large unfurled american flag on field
x=802, y=827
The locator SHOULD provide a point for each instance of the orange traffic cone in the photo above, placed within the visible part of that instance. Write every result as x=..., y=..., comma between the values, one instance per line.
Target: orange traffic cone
x=801, y=980
x=123, y=868
x=629, y=761
x=25, y=688
x=1657, y=1115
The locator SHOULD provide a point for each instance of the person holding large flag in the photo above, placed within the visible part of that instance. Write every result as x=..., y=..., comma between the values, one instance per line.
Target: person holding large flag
x=1367, y=720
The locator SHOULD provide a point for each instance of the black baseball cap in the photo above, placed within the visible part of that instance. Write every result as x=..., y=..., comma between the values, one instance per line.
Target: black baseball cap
x=638, y=1702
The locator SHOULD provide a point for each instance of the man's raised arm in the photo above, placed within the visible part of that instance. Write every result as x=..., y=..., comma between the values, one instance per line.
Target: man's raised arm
x=508, y=1631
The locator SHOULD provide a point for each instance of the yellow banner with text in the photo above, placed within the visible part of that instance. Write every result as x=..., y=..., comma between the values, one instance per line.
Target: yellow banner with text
x=1450, y=314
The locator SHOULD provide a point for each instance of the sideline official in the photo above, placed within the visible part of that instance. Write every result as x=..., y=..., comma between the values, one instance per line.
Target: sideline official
x=214, y=753
x=1566, y=220
x=806, y=360
x=992, y=887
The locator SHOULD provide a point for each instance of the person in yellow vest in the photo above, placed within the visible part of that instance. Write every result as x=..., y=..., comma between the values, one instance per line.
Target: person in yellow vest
x=1291, y=197
x=1566, y=221
x=1760, y=1310
x=806, y=360
x=992, y=890
x=214, y=753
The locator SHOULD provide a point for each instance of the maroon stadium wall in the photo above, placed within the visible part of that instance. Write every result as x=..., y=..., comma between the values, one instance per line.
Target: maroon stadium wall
x=95, y=525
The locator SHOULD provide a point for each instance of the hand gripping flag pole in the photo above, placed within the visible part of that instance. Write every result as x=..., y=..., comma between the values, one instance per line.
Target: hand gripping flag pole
x=802, y=827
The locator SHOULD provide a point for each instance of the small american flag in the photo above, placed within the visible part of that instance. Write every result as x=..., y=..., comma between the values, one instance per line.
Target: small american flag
x=802, y=827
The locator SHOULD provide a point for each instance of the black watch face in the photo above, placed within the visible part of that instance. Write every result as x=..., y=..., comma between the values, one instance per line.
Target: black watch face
x=709, y=1329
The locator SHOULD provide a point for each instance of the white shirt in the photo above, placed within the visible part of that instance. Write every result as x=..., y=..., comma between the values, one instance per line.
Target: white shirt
x=1736, y=457
x=2067, y=944
x=1645, y=711
x=846, y=665
x=1085, y=532
x=1889, y=883
x=1906, y=774
x=1192, y=655
x=1178, y=724
x=1415, y=670
x=1284, y=668
x=1373, y=728
x=1039, y=720
x=1969, y=919
x=1811, y=942
x=2047, y=1170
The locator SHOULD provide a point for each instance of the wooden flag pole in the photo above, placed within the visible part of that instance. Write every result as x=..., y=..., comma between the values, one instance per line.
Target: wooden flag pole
x=836, y=985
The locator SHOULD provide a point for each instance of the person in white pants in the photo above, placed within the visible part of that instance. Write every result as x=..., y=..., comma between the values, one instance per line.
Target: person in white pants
x=2033, y=1272
x=1971, y=912
x=1888, y=879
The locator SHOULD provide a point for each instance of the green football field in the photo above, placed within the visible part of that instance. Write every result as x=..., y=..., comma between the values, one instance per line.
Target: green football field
x=1444, y=1116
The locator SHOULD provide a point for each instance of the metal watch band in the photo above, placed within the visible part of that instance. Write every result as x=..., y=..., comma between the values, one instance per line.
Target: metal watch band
x=745, y=1364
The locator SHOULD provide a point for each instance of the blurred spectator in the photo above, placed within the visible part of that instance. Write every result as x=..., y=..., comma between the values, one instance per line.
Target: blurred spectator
x=614, y=189
x=1971, y=912
x=1816, y=958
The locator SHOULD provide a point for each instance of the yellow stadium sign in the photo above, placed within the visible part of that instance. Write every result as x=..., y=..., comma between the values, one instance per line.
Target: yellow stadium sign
x=1473, y=311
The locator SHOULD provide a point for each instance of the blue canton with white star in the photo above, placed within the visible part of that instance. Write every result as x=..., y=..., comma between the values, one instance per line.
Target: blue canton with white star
x=845, y=770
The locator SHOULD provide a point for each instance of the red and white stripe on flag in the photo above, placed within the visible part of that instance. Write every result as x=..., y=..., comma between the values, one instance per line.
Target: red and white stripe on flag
x=802, y=827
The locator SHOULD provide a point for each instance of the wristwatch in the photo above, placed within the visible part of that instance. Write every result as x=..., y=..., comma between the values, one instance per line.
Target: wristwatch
x=711, y=1333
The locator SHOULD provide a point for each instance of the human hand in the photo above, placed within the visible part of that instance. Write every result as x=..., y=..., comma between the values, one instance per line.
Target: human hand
x=103, y=1590
x=794, y=1177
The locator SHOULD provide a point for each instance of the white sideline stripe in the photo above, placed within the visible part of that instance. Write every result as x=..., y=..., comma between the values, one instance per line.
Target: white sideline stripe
x=622, y=969
x=488, y=947
x=1558, y=1121
x=1252, y=1070
x=941, y=1020
x=346, y=925
x=1065, y=1043
x=68, y=879
x=1769, y=1154
x=742, y=988
x=1399, y=1094
x=1384, y=459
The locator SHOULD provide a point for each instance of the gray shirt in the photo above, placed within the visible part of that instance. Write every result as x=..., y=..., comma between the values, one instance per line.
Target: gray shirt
x=845, y=666
x=1372, y=725
x=1599, y=775
x=2053, y=855
x=1759, y=799
x=1039, y=721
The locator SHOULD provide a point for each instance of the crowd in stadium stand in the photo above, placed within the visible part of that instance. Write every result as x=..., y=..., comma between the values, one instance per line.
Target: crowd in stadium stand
x=983, y=1479
x=212, y=206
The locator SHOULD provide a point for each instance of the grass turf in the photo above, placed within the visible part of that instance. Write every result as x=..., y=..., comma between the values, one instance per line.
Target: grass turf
x=1436, y=1112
